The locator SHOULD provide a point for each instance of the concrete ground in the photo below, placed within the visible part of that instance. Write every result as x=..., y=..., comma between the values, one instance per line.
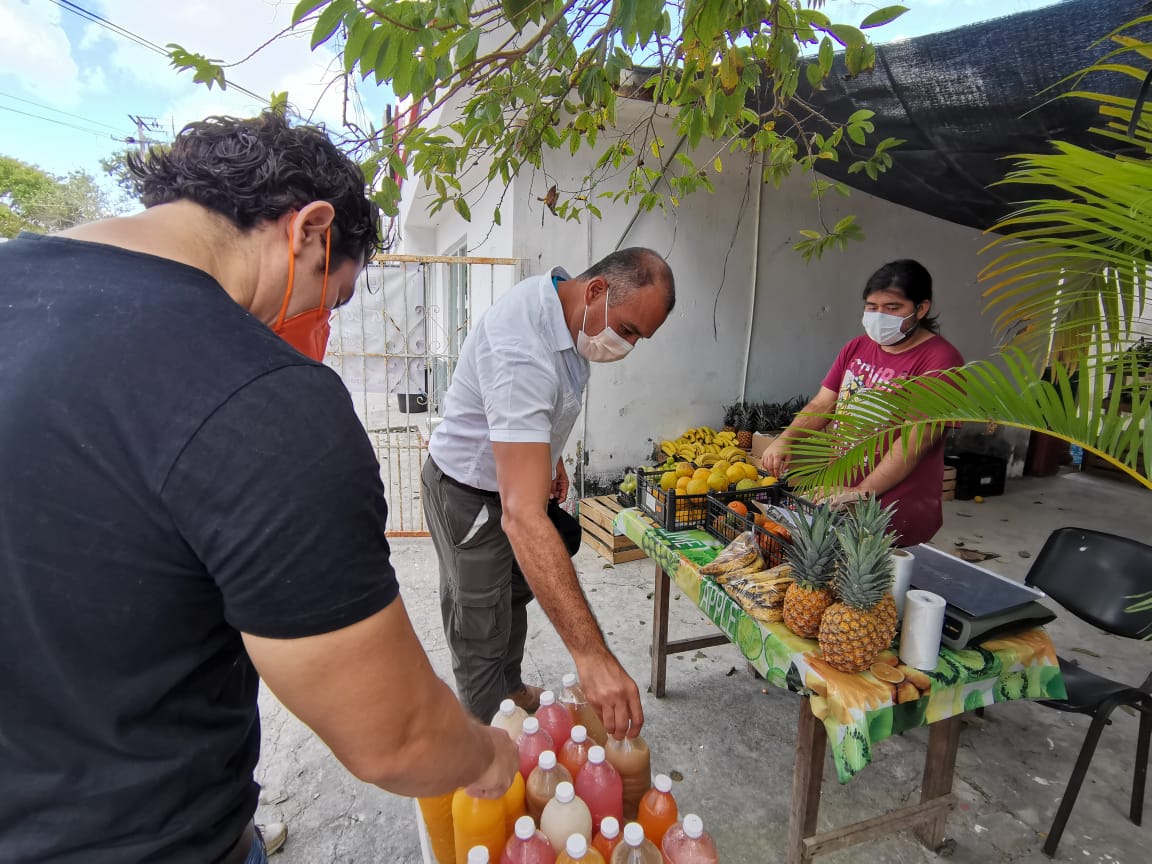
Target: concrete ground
x=731, y=738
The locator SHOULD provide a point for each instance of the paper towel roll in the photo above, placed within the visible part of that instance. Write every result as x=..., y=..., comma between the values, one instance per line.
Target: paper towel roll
x=923, y=626
x=903, y=562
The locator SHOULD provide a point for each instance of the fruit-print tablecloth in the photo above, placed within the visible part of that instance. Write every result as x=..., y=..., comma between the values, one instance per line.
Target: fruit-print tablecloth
x=858, y=710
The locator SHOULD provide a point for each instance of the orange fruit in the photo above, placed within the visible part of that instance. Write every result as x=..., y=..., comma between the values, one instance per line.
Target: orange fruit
x=738, y=507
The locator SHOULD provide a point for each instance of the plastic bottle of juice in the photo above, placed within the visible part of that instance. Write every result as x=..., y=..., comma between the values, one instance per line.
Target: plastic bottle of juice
x=574, y=753
x=515, y=804
x=577, y=851
x=599, y=784
x=608, y=838
x=477, y=822
x=527, y=845
x=688, y=843
x=658, y=810
x=542, y=783
x=510, y=718
x=478, y=855
x=564, y=816
x=532, y=742
x=630, y=756
x=636, y=848
x=437, y=813
x=554, y=719
x=573, y=698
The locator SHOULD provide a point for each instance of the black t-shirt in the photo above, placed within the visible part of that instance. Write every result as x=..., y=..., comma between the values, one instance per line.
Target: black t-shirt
x=171, y=473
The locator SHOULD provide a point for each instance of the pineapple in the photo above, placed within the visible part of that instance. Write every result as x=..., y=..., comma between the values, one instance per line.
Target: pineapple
x=862, y=623
x=743, y=429
x=730, y=417
x=812, y=555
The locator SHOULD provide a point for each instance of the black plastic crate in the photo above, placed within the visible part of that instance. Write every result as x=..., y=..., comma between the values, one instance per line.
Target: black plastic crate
x=978, y=474
x=726, y=524
x=678, y=511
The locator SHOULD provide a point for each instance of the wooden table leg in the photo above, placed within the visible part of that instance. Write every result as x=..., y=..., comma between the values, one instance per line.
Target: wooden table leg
x=807, y=777
x=659, y=630
x=939, y=766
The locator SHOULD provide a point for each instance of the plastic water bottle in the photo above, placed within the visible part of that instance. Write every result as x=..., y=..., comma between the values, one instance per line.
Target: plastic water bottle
x=577, y=851
x=658, y=810
x=542, y=783
x=631, y=757
x=564, y=816
x=527, y=845
x=515, y=804
x=608, y=838
x=532, y=742
x=599, y=784
x=510, y=718
x=688, y=843
x=477, y=822
x=636, y=848
x=554, y=719
x=583, y=714
x=574, y=754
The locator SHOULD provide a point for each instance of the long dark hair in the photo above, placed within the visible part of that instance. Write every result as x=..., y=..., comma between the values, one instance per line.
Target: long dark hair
x=910, y=278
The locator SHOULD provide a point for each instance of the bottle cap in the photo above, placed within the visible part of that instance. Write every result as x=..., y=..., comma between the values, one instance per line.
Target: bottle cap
x=507, y=708
x=577, y=846
x=531, y=726
x=525, y=828
x=610, y=828
x=547, y=698
x=547, y=760
x=596, y=754
x=633, y=834
x=579, y=734
x=663, y=783
x=569, y=679
x=478, y=855
x=565, y=792
x=693, y=826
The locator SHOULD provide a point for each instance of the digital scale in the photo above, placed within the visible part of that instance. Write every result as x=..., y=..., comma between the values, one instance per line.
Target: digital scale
x=981, y=604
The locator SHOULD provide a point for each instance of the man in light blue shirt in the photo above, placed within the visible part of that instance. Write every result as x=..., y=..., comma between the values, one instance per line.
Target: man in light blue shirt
x=496, y=461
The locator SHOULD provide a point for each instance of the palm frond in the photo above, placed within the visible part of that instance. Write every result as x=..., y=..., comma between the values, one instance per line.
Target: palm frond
x=1081, y=407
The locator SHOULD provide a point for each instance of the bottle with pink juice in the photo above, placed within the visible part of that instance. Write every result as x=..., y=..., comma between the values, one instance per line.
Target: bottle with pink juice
x=688, y=843
x=527, y=845
x=532, y=742
x=600, y=787
x=554, y=719
x=574, y=754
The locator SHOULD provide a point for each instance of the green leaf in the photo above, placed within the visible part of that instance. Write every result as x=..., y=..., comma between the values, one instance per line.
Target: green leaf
x=305, y=8
x=358, y=32
x=846, y=35
x=814, y=75
x=495, y=216
x=717, y=165
x=520, y=12
x=462, y=208
x=329, y=21
x=883, y=16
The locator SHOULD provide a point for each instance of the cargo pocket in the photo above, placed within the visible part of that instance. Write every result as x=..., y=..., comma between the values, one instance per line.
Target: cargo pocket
x=484, y=615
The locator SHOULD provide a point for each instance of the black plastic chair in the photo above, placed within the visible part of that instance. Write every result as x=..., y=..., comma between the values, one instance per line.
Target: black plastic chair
x=1094, y=575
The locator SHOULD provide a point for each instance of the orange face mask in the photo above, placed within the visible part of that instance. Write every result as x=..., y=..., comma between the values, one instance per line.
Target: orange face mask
x=307, y=332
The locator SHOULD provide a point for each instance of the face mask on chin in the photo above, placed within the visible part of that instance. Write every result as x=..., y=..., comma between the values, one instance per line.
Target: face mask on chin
x=885, y=329
x=308, y=331
x=607, y=346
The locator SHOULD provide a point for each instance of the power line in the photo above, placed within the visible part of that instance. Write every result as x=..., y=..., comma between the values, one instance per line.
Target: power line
x=80, y=11
x=44, y=107
x=95, y=132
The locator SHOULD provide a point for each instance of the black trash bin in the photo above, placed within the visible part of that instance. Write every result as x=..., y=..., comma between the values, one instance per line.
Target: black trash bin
x=978, y=474
x=412, y=403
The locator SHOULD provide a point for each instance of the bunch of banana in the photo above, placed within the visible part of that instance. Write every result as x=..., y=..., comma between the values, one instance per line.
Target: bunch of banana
x=697, y=445
x=740, y=554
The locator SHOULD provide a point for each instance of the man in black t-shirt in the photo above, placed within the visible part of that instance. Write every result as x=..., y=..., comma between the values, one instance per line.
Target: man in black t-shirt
x=189, y=502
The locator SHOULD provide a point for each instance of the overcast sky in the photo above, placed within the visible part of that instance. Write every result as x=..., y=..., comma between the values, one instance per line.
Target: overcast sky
x=82, y=80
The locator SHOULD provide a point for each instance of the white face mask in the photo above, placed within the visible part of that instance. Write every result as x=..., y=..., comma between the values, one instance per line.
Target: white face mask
x=885, y=329
x=607, y=346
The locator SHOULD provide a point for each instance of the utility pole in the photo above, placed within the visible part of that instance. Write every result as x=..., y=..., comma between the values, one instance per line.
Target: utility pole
x=144, y=125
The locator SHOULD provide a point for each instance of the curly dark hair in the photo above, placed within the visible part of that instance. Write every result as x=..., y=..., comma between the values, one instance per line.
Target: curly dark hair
x=259, y=168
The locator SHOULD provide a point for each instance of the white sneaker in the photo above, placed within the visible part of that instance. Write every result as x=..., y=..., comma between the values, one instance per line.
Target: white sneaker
x=275, y=834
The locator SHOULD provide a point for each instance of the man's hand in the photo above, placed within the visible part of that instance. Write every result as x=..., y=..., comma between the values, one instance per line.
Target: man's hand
x=612, y=694
x=776, y=458
x=560, y=483
x=497, y=777
x=840, y=496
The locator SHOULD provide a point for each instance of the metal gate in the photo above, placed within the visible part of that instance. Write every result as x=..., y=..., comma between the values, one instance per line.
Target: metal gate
x=395, y=345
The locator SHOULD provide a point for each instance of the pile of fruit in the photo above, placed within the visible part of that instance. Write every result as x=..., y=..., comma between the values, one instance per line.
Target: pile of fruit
x=704, y=446
x=720, y=476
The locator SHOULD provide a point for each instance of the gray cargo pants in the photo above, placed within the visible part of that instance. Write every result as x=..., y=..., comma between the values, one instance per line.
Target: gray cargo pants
x=483, y=594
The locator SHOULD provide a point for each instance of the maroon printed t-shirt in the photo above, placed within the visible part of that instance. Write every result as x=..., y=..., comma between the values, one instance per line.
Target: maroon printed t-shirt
x=863, y=364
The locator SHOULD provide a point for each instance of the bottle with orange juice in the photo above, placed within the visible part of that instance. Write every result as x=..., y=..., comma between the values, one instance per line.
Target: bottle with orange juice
x=608, y=837
x=437, y=813
x=515, y=803
x=577, y=851
x=477, y=822
x=658, y=810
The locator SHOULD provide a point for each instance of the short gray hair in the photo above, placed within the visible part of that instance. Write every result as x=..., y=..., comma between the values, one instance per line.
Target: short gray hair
x=630, y=270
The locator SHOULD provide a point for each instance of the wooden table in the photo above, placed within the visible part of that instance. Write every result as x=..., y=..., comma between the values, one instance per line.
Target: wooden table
x=1025, y=667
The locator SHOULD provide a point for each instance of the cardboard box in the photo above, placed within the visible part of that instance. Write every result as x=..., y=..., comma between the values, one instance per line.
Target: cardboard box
x=760, y=442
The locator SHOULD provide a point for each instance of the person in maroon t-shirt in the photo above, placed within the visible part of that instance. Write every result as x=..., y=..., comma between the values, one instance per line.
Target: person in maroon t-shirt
x=902, y=341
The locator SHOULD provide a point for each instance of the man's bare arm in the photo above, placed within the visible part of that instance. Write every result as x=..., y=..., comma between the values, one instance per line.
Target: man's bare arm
x=776, y=457
x=371, y=695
